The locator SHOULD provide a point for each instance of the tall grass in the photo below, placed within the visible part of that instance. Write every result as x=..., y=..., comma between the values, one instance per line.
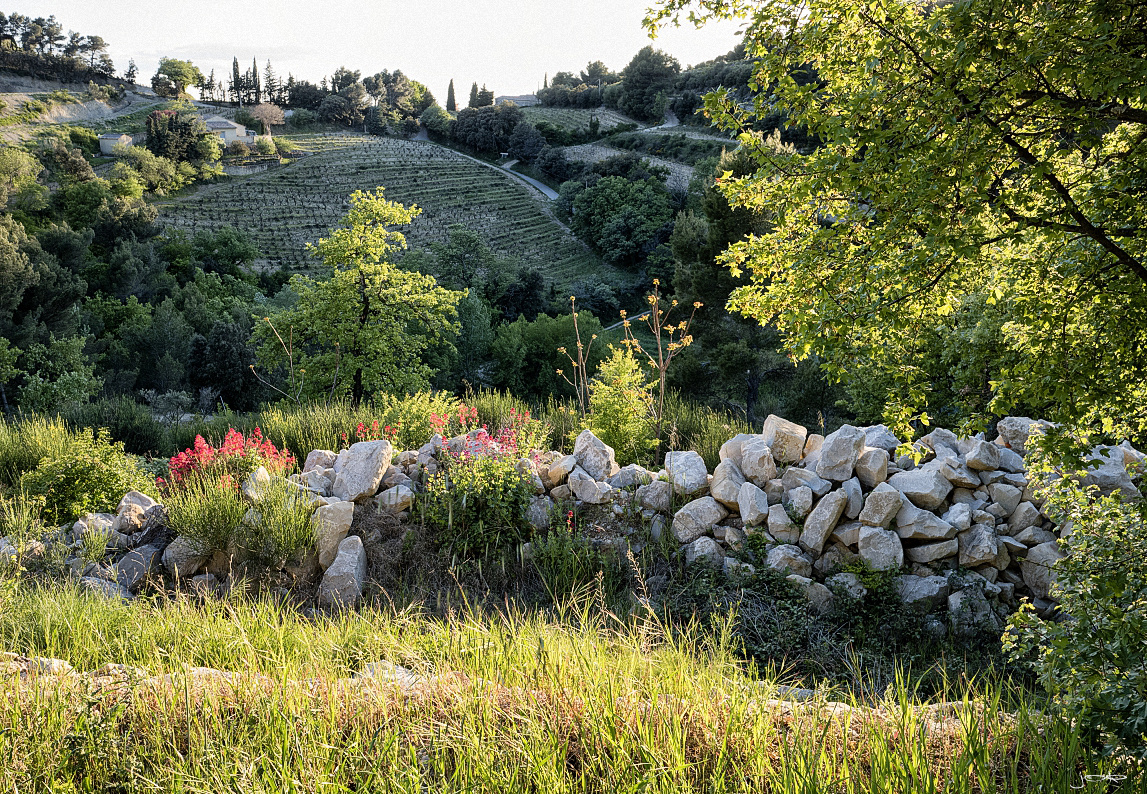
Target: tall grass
x=26, y=441
x=578, y=702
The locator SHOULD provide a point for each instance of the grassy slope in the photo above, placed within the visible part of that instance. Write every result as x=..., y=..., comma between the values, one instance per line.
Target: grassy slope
x=285, y=208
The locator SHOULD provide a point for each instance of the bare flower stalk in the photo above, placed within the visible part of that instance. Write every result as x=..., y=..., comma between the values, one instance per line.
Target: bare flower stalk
x=580, y=380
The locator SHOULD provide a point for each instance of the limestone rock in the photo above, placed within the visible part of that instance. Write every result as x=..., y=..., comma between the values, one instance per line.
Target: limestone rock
x=731, y=449
x=880, y=437
x=781, y=526
x=342, y=583
x=360, y=469
x=1025, y=515
x=1038, y=568
x=881, y=506
x=656, y=495
x=560, y=469
x=872, y=467
x=933, y=552
x=183, y=557
x=880, y=548
x=136, y=566
x=319, y=459
x=1006, y=496
x=1034, y=536
x=959, y=474
x=789, y=558
x=1108, y=471
x=848, y=584
x=588, y=489
x=757, y=462
x=819, y=597
x=332, y=524
x=821, y=521
x=1015, y=430
x=847, y=534
x=795, y=478
x=923, y=593
x=839, y=452
x=256, y=484
x=539, y=511
x=982, y=456
x=393, y=500
x=784, y=438
x=726, y=484
x=978, y=546
x=594, y=455
x=706, y=551
x=926, y=489
x=631, y=476
x=687, y=473
x=959, y=516
x=697, y=518
x=752, y=504
x=798, y=502
x=970, y=611
x=912, y=523
x=105, y=588
x=855, y=495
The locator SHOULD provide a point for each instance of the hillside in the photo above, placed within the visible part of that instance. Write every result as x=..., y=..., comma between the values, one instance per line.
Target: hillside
x=285, y=208
x=577, y=118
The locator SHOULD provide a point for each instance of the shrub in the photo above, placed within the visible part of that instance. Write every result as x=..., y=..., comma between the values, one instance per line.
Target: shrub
x=90, y=475
x=280, y=528
x=568, y=564
x=620, y=402
x=477, y=504
x=232, y=461
x=126, y=420
x=1091, y=662
x=205, y=510
x=238, y=149
x=265, y=146
x=26, y=442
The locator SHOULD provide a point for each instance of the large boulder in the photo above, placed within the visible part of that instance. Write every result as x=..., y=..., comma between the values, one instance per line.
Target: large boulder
x=539, y=512
x=912, y=523
x=183, y=557
x=1025, y=515
x=753, y=505
x=687, y=473
x=970, y=611
x=933, y=552
x=706, y=551
x=839, y=452
x=631, y=476
x=796, y=477
x=1107, y=470
x=587, y=489
x=926, y=488
x=790, y=558
x=104, y=588
x=594, y=455
x=757, y=463
x=1006, y=496
x=559, y=470
x=342, y=583
x=655, y=496
x=332, y=522
x=978, y=546
x=395, y=500
x=726, y=484
x=880, y=437
x=320, y=459
x=821, y=521
x=982, y=456
x=1038, y=568
x=881, y=506
x=872, y=467
x=135, y=566
x=781, y=526
x=731, y=449
x=798, y=503
x=855, y=495
x=923, y=594
x=786, y=439
x=880, y=548
x=359, y=470
x=697, y=518
x=1015, y=430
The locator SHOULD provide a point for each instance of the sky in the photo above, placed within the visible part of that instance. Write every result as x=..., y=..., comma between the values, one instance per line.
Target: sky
x=508, y=45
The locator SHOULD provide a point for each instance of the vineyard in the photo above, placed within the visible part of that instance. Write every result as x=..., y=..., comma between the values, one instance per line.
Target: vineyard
x=577, y=118
x=679, y=173
x=285, y=208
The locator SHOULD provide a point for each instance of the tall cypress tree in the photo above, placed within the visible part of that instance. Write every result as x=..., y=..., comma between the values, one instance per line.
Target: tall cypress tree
x=451, y=105
x=236, y=82
x=255, y=81
x=474, y=95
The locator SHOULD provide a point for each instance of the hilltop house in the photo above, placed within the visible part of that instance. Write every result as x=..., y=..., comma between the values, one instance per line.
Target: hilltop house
x=229, y=131
x=110, y=139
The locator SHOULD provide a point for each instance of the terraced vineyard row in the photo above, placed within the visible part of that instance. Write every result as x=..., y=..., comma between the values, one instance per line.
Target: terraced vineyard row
x=285, y=208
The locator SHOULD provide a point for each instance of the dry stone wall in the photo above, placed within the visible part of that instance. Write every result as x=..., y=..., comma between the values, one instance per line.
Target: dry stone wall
x=959, y=522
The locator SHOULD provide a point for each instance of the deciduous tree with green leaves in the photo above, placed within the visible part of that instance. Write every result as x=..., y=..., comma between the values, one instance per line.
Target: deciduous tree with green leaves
x=980, y=181
x=367, y=327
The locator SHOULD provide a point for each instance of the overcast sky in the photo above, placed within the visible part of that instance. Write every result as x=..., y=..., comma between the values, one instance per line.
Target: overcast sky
x=507, y=44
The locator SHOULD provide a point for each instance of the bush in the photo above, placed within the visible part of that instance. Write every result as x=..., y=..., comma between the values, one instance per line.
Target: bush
x=621, y=411
x=206, y=511
x=265, y=146
x=231, y=462
x=26, y=442
x=126, y=420
x=238, y=149
x=90, y=475
x=1091, y=662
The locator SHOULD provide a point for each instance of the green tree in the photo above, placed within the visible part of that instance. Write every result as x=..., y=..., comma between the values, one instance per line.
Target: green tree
x=19, y=186
x=473, y=103
x=976, y=154
x=451, y=104
x=437, y=121
x=644, y=83
x=621, y=406
x=173, y=76
x=621, y=218
x=366, y=328
x=528, y=357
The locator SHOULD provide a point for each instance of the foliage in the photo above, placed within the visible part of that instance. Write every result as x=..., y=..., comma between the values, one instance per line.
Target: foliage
x=529, y=358
x=58, y=377
x=623, y=219
x=365, y=329
x=569, y=564
x=173, y=76
x=962, y=161
x=477, y=501
x=437, y=122
x=645, y=82
x=1091, y=661
x=91, y=474
x=621, y=406
x=486, y=128
x=26, y=441
x=207, y=511
x=232, y=461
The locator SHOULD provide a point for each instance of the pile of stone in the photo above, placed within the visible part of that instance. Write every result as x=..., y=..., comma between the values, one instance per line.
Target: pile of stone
x=958, y=520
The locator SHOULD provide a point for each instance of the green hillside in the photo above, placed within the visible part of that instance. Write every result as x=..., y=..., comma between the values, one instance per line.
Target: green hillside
x=284, y=208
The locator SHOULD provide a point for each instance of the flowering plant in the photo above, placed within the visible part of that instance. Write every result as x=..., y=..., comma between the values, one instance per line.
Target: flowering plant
x=236, y=458
x=373, y=432
x=448, y=425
